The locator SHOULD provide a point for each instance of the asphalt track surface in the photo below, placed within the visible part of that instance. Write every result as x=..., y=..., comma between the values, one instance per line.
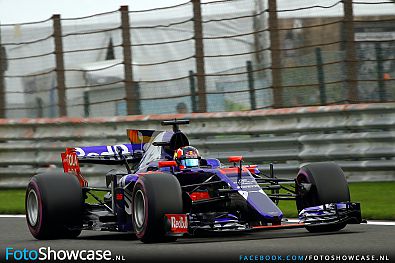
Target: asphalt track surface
x=362, y=239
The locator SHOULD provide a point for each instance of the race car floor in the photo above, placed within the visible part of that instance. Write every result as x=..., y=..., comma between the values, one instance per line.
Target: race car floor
x=365, y=239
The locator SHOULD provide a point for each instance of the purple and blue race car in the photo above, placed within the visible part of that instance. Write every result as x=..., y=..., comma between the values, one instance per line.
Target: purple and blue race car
x=166, y=190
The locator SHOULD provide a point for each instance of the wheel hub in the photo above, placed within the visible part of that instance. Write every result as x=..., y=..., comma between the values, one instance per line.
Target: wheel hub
x=32, y=207
x=139, y=209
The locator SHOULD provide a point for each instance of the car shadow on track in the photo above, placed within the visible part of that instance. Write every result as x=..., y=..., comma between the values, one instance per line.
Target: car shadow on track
x=257, y=236
x=223, y=237
x=109, y=236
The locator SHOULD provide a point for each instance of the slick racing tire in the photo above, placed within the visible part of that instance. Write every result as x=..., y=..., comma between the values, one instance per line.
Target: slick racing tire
x=328, y=185
x=53, y=205
x=155, y=195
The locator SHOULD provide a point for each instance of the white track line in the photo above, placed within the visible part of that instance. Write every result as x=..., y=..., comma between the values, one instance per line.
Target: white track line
x=370, y=222
x=291, y=220
x=381, y=223
x=12, y=216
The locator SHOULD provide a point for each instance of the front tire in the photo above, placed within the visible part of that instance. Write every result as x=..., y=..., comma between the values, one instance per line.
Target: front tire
x=328, y=185
x=53, y=205
x=155, y=195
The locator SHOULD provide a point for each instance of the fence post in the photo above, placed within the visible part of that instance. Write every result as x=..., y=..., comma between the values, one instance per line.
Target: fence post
x=86, y=104
x=251, y=86
x=380, y=72
x=61, y=87
x=199, y=55
x=320, y=76
x=40, y=108
x=351, y=57
x=275, y=55
x=193, y=90
x=131, y=89
x=3, y=68
x=2, y=84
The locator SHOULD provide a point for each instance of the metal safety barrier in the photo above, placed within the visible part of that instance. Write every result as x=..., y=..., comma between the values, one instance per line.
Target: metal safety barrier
x=360, y=138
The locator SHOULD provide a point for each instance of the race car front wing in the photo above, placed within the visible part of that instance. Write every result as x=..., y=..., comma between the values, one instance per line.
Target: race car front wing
x=345, y=212
x=328, y=214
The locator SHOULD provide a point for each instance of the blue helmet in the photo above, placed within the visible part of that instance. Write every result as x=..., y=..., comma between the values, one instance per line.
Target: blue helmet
x=187, y=156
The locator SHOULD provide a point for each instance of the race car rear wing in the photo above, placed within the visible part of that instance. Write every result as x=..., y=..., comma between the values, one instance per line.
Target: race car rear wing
x=110, y=154
x=107, y=154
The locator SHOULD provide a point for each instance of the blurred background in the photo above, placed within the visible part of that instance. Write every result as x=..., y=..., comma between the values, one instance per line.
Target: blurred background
x=199, y=57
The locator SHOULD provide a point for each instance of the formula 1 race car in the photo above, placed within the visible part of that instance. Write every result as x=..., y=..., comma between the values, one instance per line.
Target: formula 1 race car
x=167, y=190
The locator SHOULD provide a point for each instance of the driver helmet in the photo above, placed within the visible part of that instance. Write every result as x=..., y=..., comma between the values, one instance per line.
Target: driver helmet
x=187, y=156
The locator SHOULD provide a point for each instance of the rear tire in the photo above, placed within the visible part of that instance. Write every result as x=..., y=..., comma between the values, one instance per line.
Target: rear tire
x=155, y=195
x=328, y=185
x=53, y=206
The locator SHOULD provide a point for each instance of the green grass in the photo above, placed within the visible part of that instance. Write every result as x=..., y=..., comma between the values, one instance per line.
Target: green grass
x=377, y=200
x=12, y=201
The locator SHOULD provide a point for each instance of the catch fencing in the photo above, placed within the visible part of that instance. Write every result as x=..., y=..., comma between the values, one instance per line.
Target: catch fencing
x=216, y=56
x=360, y=138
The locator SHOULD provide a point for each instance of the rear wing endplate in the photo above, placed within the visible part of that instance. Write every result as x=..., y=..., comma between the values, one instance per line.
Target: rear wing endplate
x=71, y=165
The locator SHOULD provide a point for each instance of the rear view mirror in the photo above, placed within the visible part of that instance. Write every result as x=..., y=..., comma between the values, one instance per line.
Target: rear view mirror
x=167, y=164
x=235, y=159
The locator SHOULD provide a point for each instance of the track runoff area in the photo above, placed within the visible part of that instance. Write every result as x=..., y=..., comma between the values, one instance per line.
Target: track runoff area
x=370, y=242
